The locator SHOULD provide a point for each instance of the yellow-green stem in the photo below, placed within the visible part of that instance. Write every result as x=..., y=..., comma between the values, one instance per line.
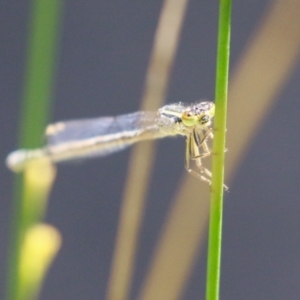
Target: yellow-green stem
x=216, y=207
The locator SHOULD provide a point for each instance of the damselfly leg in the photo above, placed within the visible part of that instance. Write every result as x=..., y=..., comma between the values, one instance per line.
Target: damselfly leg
x=196, y=149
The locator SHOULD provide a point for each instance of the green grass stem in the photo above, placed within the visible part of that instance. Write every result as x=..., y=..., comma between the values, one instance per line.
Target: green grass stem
x=44, y=23
x=216, y=207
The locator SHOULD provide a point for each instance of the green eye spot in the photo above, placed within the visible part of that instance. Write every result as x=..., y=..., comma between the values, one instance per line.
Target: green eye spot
x=189, y=119
x=204, y=119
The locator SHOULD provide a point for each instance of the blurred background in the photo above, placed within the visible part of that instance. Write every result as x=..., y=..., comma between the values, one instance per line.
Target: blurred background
x=103, y=57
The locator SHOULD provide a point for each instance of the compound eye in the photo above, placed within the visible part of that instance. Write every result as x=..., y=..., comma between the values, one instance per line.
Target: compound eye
x=204, y=119
x=189, y=119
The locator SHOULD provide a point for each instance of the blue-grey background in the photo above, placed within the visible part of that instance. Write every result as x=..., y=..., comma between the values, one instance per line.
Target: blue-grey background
x=104, y=53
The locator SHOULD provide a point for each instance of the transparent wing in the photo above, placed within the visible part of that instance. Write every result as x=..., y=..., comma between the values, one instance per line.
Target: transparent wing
x=78, y=130
x=97, y=137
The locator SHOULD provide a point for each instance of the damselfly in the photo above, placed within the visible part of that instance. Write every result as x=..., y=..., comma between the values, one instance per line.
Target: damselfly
x=71, y=140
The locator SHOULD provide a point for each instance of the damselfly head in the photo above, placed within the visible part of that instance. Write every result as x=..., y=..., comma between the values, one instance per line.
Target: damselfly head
x=200, y=113
x=205, y=107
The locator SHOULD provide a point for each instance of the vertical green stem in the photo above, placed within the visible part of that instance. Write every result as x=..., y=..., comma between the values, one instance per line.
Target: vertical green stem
x=216, y=208
x=44, y=23
x=43, y=32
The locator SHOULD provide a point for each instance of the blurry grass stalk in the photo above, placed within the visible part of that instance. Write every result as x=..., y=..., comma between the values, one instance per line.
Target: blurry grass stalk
x=39, y=247
x=44, y=21
x=260, y=75
x=177, y=247
x=33, y=255
x=256, y=80
x=39, y=176
x=141, y=163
